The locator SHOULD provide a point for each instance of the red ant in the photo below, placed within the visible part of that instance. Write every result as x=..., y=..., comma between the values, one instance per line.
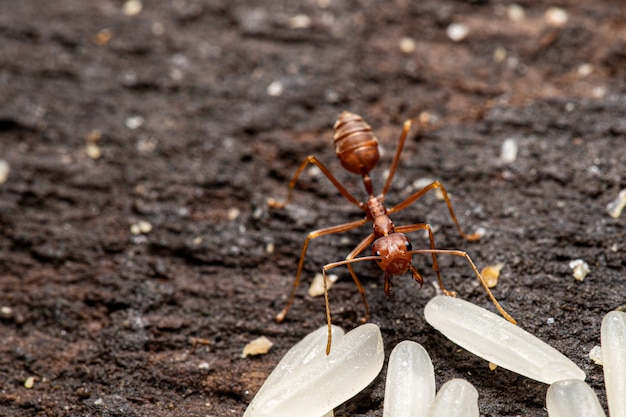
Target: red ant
x=357, y=149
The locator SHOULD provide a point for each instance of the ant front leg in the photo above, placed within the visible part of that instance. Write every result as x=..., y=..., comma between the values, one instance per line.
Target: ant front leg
x=416, y=196
x=353, y=254
x=315, y=234
x=364, y=243
x=313, y=160
x=478, y=275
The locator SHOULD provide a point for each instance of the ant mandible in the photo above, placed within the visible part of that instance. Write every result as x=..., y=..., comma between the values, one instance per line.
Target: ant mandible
x=357, y=149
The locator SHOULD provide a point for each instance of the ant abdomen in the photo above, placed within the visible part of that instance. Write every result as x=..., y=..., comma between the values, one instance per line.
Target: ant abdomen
x=355, y=144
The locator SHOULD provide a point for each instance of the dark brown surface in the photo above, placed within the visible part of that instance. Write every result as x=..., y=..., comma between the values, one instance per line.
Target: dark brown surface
x=102, y=318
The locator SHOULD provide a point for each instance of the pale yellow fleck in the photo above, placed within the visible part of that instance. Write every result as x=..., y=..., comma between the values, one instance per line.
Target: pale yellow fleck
x=615, y=207
x=4, y=171
x=132, y=7
x=103, y=37
x=258, y=346
x=233, y=213
x=555, y=17
x=491, y=273
x=407, y=45
x=93, y=151
x=317, y=286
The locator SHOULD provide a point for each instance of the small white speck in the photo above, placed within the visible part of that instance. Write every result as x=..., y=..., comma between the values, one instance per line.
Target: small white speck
x=499, y=55
x=407, y=45
x=508, y=151
x=515, y=13
x=133, y=122
x=555, y=17
x=615, y=207
x=233, y=213
x=457, y=31
x=550, y=320
x=580, y=269
x=4, y=171
x=275, y=89
x=480, y=232
x=595, y=354
x=300, y=21
x=585, y=70
x=141, y=227
x=599, y=92
x=30, y=382
x=203, y=365
x=132, y=7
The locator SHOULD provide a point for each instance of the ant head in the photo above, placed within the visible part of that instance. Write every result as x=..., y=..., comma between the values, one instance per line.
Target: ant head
x=394, y=250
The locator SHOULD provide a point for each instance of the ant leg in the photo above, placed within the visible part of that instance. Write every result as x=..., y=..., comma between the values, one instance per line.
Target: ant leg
x=480, y=277
x=315, y=234
x=396, y=159
x=313, y=160
x=348, y=262
x=431, y=236
x=413, y=198
x=355, y=252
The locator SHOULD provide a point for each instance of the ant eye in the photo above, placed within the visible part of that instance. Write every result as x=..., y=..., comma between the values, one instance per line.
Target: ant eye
x=409, y=246
x=377, y=253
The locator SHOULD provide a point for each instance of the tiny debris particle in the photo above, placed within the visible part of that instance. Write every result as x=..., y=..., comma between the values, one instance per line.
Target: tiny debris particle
x=585, y=70
x=157, y=29
x=515, y=13
x=480, y=232
x=580, y=269
x=233, y=213
x=6, y=311
x=259, y=346
x=300, y=21
x=492, y=366
x=269, y=248
x=599, y=92
x=317, y=286
x=550, y=320
x=30, y=382
x=426, y=118
x=134, y=122
x=595, y=354
x=132, y=7
x=457, y=31
x=103, y=37
x=4, y=171
x=94, y=136
x=93, y=151
x=407, y=45
x=275, y=89
x=508, y=151
x=555, y=17
x=141, y=227
x=203, y=365
x=615, y=207
x=499, y=55
x=491, y=273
